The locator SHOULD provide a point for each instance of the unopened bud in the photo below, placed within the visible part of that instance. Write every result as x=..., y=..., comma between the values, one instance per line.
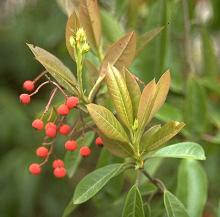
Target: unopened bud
x=80, y=35
x=85, y=47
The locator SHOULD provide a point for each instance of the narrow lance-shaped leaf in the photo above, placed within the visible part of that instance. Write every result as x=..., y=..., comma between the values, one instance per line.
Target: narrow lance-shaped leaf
x=120, y=96
x=107, y=123
x=188, y=150
x=133, y=205
x=95, y=181
x=90, y=20
x=173, y=206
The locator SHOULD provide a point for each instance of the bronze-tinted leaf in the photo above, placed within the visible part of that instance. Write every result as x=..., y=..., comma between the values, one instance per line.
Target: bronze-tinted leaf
x=90, y=20
x=107, y=123
x=120, y=96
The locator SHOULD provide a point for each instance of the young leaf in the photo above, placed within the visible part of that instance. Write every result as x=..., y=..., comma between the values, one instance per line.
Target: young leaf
x=134, y=91
x=133, y=205
x=90, y=19
x=107, y=123
x=173, y=206
x=95, y=181
x=164, y=134
x=120, y=96
x=71, y=26
x=55, y=67
x=192, y=187
x=188, y=150
x=67, y=6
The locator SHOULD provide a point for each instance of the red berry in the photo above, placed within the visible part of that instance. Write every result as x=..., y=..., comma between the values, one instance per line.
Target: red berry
x=35, y=169
x=99, y=141
x=50, y=125
x=85, y=151
x=71, y=145
x=59, y=172
x=51, y=132
x=63, y=110
x=38, y=124
x=42, y=152
x=28, y=85
x=64, y=129
x=58, y=163
x=25, y=98
x=72, y=102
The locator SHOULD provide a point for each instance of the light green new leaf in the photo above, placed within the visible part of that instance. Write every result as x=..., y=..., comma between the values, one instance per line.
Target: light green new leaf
x=56, y=68
x=188, y=150
x=173, y=206
x=133, y=205
x=192, y=187
x=107, y=123
x=134, y=90
x=95, y=181
x=164, y=134
x=120, y=96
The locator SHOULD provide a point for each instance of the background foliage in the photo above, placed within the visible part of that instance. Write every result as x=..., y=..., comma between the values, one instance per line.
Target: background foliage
x=194, y=99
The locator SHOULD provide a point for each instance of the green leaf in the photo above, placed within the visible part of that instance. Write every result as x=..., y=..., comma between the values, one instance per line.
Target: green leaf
x=164, y=134
x=69, y=209
x=147, y=37
x=120, y=96
x=134, y=90
x=56, y=68
x=90, y=19
x=95, y=181
x=188, y=150
x=107, y=123
x=133, y=205
x=173, y=206
x=73, y=159
x=192, y=187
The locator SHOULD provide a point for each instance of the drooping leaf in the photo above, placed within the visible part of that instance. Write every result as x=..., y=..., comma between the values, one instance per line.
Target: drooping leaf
x=188, y=150
x=120, y=96
x=134, y=90
x=173, y=206
x=147, y=37
x=192, y=187
x=90, y=20
x=71, y=26
x=164, y=134
x=95, y=181
x=133, y=205
x=56, y=68
x=72, y=159
x=107, y=123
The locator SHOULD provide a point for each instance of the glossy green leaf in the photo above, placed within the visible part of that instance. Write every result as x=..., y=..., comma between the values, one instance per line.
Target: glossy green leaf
x=192, y=187
x=188, y=150
x=133, y=205
x=55, y=67
x=164, y=134
x=120, y=96
x=107, y=123
x=73, y=159
x=90, y=19
x=134, y=90
x=174, y=207
x=95, y=181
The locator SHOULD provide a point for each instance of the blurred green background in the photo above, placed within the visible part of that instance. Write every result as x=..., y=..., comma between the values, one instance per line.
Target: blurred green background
x=194, y=96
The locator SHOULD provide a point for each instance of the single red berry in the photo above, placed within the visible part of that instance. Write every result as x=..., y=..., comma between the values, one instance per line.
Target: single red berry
x=64, y=129
x=51, y=132
x=58, y=163
x=71, y=145
x=35, y=169
x=72, y=102
x=59, y=172
x=50, y=125
x=28, y=85
x=42, y=152
x=85, y=151
x=38, y=124
x=63, y=110
x=99, y=141
x=25, y=98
